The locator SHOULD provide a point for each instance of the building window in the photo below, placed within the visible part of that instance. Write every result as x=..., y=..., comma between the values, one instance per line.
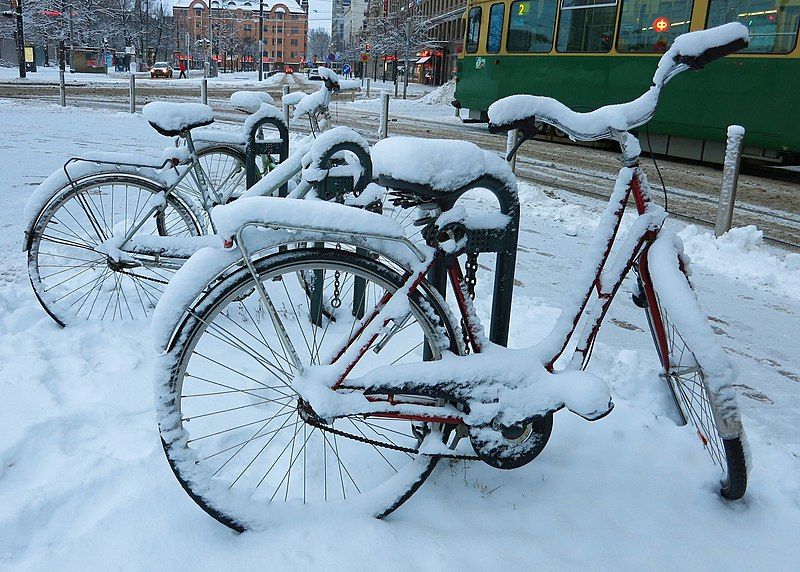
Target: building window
x=294, y=16
x=247, y=27
x=294, y=43
x=279, y=54
x=198, y=11
x=474, y=29
x=531, y=25
x=586, y=25
x=294, y=55
x=772, y=23
x=495, y=35
x=280, y=29
x=293, y=31
x=197, y=24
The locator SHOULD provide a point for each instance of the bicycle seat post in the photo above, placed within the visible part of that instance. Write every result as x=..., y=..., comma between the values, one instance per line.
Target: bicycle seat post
x=629, y=146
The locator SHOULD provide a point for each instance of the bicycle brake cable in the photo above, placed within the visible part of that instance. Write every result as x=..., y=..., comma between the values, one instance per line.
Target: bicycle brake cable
x=655, y=164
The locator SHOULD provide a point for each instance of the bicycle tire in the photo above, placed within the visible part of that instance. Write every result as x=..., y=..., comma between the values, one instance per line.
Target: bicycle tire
x=73, y=238
x=198, y=328
x=680, y=337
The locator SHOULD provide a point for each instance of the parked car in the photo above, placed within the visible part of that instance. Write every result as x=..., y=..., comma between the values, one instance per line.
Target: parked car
x=314, y=74
x=160, y=69
x=288, y=69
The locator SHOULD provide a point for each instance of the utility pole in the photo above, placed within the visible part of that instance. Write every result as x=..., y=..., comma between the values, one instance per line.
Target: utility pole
x=406, y=71
x=261, y=40
x=17, y=13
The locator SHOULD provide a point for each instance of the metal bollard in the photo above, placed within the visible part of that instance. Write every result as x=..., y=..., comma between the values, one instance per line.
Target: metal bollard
x=284, y=105
x=513, y=135
x=730, y=179
x=204, y=91
x=367, y=88
x=383, y=129
x=133, y=93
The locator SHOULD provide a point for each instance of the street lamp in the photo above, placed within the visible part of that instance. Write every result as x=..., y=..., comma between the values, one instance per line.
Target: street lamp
x=261, y=40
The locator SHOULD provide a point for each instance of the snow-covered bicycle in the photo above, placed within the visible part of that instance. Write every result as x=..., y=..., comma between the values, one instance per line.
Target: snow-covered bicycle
x=264, y=404
x=84, y=219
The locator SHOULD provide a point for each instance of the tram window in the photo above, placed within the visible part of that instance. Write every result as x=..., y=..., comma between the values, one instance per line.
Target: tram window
x=473, y=29
x=772, y=23
x=652, y=25
x=495, y=36
x=586, y=25
x=530, y=26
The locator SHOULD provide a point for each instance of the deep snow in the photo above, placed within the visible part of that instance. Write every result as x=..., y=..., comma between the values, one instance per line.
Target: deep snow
x=84, y=485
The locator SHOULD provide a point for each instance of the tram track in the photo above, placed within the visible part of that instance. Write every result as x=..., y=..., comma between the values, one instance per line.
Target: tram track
x=767, y=198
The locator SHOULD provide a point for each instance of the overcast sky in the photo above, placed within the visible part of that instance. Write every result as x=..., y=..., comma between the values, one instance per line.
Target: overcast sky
x=320, y=14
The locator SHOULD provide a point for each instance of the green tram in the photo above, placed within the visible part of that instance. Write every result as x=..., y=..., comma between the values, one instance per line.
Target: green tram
x=589, y=53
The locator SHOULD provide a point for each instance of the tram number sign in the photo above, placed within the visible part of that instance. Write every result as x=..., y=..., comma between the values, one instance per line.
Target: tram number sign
x=661, y=25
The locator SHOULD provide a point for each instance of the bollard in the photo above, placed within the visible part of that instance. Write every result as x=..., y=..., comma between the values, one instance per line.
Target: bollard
x=62, y=89
x=730, y=179
x=513, y=135
x=367, y=88
x=285, y=106
x=133, y=93
x=383, y=129
x=204, y=91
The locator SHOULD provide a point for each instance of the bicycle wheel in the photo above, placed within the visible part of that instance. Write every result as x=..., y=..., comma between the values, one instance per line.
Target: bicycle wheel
x=233, y=429
x=225, y=169
x=694, y=366
x=72, y=278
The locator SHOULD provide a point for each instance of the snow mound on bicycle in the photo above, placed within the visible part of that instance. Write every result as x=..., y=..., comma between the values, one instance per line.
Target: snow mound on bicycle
x=497, y=385
x=442, y=164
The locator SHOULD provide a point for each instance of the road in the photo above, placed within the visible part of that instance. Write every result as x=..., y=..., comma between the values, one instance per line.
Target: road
x=770, y=202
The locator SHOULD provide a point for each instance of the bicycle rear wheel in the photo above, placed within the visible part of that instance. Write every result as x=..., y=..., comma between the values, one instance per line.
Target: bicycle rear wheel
x=236, y=434
x=694, y=366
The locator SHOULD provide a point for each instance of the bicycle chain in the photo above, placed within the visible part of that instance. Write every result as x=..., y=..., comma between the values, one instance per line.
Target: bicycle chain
x=148, y=278
x=374, y=443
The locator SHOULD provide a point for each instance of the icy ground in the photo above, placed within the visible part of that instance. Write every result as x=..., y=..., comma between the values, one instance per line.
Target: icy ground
x=84, y=484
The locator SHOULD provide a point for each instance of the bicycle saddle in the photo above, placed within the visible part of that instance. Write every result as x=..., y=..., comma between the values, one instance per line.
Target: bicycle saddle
x=172, y=119
x=250, y=101
x=433, y=168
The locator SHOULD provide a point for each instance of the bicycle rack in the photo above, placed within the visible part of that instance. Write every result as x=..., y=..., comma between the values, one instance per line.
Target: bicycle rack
x=333, y=188
x=503, y=241
x=257, y=146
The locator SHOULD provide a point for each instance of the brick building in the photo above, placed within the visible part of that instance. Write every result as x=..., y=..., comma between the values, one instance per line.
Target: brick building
x=231, y=33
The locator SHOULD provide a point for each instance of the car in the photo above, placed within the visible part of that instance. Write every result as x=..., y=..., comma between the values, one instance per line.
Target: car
x=314, y=74
x=288, y=69
x=160, y=69
x=271, y=73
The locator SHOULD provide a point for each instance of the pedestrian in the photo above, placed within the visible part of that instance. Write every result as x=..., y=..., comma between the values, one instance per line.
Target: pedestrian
x=182, y=68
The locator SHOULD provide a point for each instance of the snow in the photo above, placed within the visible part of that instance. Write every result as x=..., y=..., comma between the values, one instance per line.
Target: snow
x=250, y=101
x=176, y=117
x=445, y=165
x=444, y=94
x=84, y=483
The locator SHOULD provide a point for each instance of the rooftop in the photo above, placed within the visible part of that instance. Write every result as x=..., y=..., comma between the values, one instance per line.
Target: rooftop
x=246, y=5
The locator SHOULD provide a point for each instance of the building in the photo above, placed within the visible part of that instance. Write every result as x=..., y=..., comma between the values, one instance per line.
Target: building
x=437, y=36
x=231, y=35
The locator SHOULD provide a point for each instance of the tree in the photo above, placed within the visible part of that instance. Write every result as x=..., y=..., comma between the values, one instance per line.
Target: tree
x=319, y=42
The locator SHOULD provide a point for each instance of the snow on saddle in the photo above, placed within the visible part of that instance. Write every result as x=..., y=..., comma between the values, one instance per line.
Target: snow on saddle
x=172, y=119
x=435, y=166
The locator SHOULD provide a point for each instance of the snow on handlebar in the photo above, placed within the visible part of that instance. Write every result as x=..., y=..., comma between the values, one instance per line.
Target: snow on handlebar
x=689, y=51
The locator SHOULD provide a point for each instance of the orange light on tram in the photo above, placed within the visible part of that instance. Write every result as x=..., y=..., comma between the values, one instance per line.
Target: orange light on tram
x=661, y=25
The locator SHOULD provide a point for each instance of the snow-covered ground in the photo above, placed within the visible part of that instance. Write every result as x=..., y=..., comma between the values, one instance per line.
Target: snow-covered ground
x=84, y=483
x=426, y=102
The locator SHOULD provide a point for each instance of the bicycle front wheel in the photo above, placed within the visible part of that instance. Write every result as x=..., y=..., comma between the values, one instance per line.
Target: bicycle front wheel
x=235, y=432
x=73, y=278
x=694, y=366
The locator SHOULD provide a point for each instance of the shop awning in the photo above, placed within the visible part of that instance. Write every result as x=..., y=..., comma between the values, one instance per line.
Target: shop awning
x=423, y=60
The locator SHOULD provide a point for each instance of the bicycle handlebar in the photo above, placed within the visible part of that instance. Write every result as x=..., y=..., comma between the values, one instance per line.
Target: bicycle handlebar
x=689, y=51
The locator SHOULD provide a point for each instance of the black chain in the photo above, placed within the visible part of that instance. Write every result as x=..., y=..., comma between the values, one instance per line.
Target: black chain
x=336, y=301
x=471, y=274
x=374, y=443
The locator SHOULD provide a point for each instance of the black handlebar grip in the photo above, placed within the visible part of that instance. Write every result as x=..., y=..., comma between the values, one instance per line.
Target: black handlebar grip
x=698, y=62
x=521, y=124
